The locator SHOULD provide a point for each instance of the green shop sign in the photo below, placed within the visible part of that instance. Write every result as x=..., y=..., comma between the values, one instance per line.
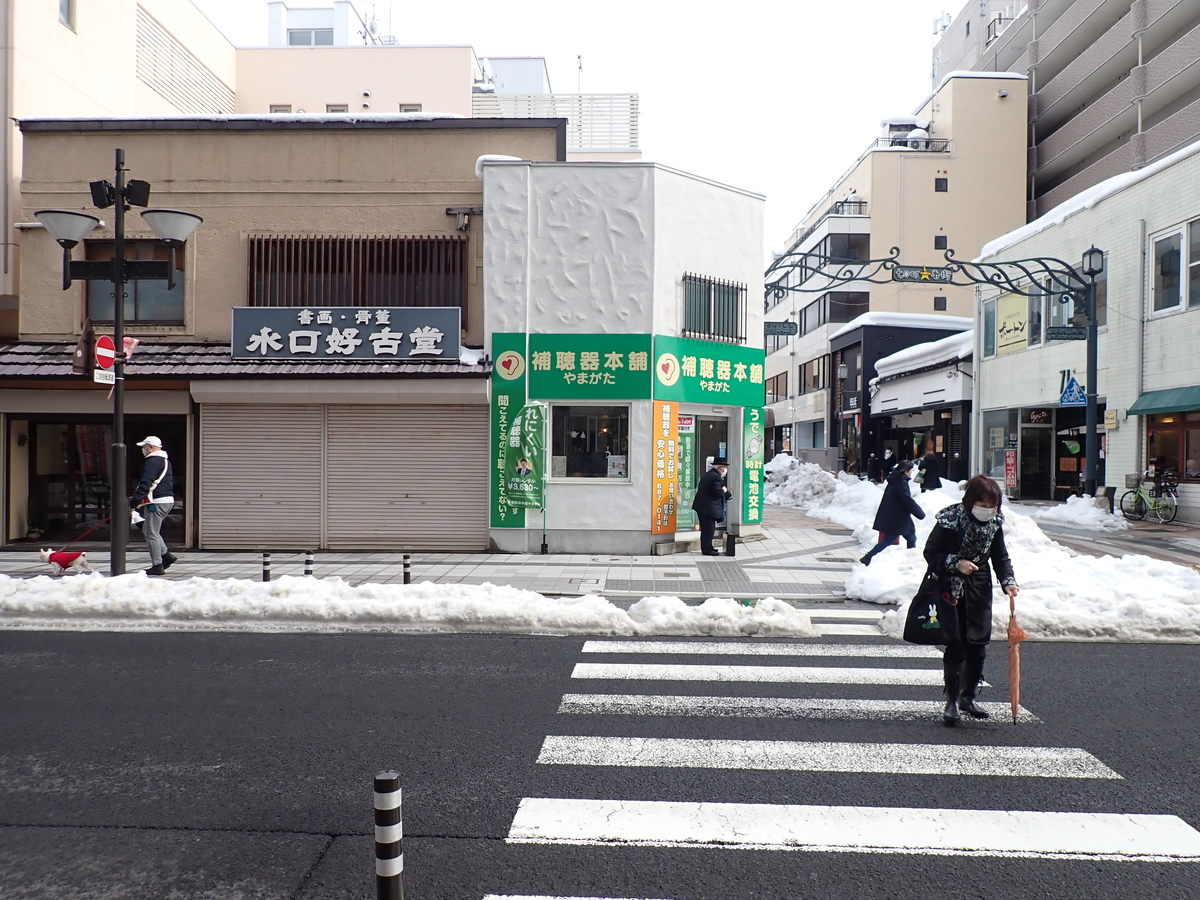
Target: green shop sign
x=508, y=397
x=589, y=366
x=753, y=440
x=693, y=371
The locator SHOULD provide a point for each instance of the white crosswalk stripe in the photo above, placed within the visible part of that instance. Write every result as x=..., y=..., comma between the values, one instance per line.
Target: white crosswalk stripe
x=858, y=829
x=766, y=707
x=741, y=648
x=769, y=674
x=815, y=756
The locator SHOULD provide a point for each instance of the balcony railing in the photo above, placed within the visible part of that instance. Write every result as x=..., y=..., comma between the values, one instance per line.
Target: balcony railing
x=926, y=144
x=997, y=26
x=594, y=121
x=841, y=208
x=714, y=310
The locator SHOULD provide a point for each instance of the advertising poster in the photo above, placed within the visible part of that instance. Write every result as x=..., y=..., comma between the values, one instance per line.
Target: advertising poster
x=685, y=518
x=525, y=459
x=1012, y=323
x=665, y=474
x=753, y=453
x=1010, y=468
x=508, y=396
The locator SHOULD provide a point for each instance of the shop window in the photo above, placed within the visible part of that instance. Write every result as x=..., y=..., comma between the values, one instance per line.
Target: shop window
x=939, y=304
x=714, y=310
x=589, y=442
x=146, y=302
x=351, y=270
x=1037, y=302
x=777, y=388
x=1166, y=272
x=1173, y=443
x=989, y=328
x=818, y=435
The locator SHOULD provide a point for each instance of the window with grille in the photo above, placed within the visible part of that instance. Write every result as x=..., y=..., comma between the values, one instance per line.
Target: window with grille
x=147, y=302
x=329, y=270
x=714, y=310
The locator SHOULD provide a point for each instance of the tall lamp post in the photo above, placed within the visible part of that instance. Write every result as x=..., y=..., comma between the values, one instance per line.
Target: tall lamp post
x=69, y=227
x=1093, y=265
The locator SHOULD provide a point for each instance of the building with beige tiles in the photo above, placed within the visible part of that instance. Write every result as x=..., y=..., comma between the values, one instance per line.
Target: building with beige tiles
x=1113, y=84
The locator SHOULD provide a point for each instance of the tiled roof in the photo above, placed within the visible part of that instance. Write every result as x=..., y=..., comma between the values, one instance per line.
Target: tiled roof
x=185, y=361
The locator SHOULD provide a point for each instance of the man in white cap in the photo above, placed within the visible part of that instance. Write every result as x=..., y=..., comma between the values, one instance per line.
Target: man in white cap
x=153, y=499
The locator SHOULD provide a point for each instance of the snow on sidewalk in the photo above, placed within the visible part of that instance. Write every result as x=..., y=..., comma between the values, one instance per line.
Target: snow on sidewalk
x=1064, y=595
x=95, y=602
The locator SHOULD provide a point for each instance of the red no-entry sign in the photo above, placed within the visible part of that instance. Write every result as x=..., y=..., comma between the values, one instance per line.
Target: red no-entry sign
x=106, y=352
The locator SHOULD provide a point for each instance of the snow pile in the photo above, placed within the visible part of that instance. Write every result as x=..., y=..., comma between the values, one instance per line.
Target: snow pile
x=1079, y=512
x=297, y=603
x=803, y=485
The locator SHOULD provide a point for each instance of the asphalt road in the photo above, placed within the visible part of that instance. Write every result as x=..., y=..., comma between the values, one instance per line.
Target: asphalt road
x=239, y=766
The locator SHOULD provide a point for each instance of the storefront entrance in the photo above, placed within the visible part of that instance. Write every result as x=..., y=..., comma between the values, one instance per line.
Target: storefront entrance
x=61, y=466
x=1037, y=465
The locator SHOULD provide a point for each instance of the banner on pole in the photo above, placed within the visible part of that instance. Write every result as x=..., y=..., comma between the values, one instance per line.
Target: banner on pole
x=508, y=397
x=753, y=453
x=665, y=477
x=525, y=461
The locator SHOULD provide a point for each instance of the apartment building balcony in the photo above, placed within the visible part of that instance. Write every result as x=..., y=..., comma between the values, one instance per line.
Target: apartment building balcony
x=923, y=145
x=596, y=123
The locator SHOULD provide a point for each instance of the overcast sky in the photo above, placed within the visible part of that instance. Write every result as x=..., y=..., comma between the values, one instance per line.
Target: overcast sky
x=775, y=97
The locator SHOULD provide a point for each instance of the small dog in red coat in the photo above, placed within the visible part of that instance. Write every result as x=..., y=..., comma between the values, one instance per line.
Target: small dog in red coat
x=65, y=562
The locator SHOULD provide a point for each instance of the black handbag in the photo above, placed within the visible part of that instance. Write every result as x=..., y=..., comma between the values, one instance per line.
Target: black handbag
x=932, y=614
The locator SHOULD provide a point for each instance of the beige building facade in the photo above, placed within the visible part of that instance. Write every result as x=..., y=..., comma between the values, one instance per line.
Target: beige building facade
x=326, y=217
x=949, y=177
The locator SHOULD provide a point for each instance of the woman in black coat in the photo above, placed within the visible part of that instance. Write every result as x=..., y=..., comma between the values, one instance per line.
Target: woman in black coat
x=966, y=536
x=931, y=473
x=893, y=519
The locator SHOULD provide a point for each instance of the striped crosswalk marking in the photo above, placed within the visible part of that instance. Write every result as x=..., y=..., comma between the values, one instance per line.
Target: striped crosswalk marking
x=745, y=648
x=771, y=674
x=856, y=829
x=768, y=707
x=821, y=612
x=828, y=629
x=821, y=756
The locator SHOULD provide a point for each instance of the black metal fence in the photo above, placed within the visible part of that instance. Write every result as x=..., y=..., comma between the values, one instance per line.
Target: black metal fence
x=713, y=309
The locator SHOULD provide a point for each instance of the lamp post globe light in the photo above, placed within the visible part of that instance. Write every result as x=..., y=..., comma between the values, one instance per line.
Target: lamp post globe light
x=68, y=227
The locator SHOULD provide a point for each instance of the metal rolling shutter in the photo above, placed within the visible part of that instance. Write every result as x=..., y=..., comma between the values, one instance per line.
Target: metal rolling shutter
x=260, y=476
x=402, y=476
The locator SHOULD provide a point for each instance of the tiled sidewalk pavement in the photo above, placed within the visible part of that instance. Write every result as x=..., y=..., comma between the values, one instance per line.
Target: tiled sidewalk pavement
x=799, y=559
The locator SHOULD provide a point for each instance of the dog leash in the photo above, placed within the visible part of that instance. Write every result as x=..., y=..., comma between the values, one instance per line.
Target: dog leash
x=85, y=534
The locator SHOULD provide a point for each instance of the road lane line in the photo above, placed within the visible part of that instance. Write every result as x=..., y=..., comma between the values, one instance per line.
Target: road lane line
x=760, y=826
x=745, y=648
x=768, y=707
x=823, y=756
x=771, y=674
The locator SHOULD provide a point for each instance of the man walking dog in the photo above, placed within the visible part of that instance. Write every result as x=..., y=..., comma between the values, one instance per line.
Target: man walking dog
x=153, y=499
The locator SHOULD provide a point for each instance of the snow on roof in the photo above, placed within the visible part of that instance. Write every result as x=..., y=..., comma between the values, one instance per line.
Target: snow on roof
x=912, y=121
x=492, y=157
x=963, y=73
x=1085, y=200
x=905, y=320
x=910, y=359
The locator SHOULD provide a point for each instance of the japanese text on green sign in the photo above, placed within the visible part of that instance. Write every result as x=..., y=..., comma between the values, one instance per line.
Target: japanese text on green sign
x=589, y=366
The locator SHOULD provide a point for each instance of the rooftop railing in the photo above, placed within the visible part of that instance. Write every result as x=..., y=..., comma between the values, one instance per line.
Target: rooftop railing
x=594, y=121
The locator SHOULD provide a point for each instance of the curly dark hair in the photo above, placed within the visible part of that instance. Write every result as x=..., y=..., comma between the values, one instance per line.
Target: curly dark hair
x=982, y=488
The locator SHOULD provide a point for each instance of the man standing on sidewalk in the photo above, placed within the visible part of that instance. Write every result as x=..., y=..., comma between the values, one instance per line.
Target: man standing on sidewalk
x=153, y=499
x=709, y=504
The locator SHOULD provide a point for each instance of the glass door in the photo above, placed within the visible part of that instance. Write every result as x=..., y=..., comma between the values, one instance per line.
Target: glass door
x=1037, y=467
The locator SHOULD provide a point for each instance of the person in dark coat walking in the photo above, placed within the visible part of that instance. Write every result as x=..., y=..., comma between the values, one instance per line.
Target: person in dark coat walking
x=709, y=503
x=894, y=518
x=931, y=469
x=967, y=535
x=154, y=499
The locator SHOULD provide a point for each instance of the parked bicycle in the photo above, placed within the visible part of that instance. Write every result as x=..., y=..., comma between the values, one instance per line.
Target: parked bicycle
x=1161, y=498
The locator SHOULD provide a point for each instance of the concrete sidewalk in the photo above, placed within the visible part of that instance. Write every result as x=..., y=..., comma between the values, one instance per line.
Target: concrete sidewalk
x=798, y=559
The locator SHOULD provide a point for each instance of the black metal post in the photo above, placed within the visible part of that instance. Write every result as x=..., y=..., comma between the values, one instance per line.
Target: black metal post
x=407, y=569
x=308, y=562
x=266, y=566
x=1092, y=445
x=389, y=838
x=119, y=485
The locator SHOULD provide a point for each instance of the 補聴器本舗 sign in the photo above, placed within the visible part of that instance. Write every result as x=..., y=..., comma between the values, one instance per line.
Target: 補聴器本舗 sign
x=589, y=366
x=347, y=332
x=691, y=371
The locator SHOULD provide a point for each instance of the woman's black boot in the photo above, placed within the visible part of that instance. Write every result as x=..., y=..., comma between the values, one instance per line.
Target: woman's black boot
x=972, y=675
x=950, y=715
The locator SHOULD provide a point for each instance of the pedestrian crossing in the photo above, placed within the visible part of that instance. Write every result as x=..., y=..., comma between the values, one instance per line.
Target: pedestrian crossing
x=878, y=667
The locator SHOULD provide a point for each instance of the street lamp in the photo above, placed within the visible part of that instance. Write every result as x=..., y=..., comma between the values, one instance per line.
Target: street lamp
x=1093, y=265
x=69, y=227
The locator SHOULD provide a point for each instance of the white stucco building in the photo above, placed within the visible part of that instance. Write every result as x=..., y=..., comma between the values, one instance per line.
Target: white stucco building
x=1148, y=224
x=632, y=263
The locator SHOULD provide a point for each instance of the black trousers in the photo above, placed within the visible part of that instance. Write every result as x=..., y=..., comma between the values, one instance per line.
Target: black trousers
x=708, y=528
x=970, y=658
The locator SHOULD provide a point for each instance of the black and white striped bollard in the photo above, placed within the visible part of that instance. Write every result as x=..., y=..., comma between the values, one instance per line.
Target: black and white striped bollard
x=389, y=854
x=266, y=566
x=308, y=562
x=407, y=569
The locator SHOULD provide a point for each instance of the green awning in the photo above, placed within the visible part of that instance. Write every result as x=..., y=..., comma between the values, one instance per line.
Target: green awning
x=1171, y=400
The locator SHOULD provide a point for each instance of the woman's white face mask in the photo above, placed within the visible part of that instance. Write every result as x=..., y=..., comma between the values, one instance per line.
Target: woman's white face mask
x=984, y=513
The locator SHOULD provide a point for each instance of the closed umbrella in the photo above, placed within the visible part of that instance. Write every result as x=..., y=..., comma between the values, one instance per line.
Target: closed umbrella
x=1016, y=634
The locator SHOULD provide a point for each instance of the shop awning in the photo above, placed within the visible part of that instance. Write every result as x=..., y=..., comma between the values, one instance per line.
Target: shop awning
x=1171, y=400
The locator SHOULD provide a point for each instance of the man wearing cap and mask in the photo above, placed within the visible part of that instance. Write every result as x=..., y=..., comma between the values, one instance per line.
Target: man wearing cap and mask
x=153, y=499
x=709, y=504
